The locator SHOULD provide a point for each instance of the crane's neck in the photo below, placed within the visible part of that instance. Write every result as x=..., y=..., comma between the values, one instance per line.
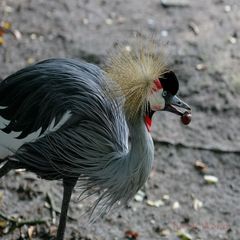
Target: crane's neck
x=141, y=153
x=125, y=173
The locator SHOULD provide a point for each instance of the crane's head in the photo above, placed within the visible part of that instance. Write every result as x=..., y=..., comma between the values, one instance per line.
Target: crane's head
x=163, y=95
x=146, y=83
x=163, y=98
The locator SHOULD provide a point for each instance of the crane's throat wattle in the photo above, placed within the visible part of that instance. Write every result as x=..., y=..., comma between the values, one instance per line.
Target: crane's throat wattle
x=148, y=122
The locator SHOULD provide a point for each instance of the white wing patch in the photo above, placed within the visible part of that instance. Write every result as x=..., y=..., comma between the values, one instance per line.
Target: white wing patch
x=9, y=144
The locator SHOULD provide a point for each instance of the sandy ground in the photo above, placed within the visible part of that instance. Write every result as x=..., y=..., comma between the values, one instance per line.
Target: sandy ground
x=202, y=44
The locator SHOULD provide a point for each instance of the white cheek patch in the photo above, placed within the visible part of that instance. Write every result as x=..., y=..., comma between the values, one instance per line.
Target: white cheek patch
x=156, y=100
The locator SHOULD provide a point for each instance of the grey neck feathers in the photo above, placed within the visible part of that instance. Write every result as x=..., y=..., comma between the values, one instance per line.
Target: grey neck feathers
x=141, y=154
x=123, y=175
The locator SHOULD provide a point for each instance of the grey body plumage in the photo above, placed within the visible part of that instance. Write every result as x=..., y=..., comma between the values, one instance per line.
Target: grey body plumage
x=91, y=145
x=70, y=120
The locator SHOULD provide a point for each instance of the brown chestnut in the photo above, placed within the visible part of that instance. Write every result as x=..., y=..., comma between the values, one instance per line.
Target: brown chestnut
x=186, y=118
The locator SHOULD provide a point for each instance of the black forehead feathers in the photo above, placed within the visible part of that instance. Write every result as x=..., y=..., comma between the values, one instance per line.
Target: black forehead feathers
x=169, y=82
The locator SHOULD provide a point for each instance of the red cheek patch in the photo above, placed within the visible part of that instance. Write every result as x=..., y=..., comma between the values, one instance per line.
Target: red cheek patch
x=157, y=85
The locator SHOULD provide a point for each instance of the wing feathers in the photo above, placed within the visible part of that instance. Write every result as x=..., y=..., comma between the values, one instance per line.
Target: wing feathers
x=35, y=96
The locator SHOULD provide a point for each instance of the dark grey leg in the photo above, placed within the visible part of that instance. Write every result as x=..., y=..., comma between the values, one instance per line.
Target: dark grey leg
x=67, y=192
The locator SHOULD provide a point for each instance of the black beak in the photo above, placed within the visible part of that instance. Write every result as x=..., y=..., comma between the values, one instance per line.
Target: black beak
x=172, y=102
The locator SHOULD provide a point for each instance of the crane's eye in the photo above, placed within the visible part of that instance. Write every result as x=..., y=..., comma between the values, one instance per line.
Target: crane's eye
x=164, y=93
x=169, y=82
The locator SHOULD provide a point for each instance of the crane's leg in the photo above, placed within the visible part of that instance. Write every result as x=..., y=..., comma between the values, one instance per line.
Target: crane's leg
x=67, y=192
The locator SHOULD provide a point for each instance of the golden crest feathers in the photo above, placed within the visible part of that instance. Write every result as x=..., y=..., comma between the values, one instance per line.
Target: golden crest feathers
x=134, y=69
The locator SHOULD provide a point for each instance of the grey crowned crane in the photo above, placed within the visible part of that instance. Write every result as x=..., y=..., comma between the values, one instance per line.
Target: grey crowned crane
x=70, y=120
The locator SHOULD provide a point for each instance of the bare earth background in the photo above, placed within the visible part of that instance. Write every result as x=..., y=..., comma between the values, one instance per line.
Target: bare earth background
x=203, y=47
